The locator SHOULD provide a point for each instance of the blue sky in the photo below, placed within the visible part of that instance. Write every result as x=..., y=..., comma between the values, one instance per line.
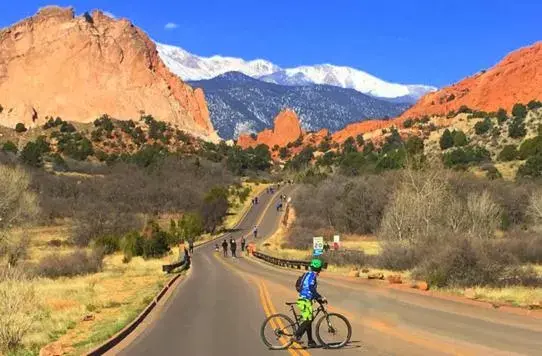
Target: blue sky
x=416, y=41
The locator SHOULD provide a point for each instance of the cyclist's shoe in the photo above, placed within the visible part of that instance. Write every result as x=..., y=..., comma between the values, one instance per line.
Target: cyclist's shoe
x=312, y=344
x=296, y=339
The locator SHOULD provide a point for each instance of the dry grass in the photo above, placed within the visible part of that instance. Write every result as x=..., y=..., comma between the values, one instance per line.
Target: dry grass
x=112, y=297
x=517, y=296
x=368, y=244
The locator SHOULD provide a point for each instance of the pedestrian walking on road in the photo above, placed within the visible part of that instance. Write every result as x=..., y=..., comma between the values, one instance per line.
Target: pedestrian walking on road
x=255, y=232
x=186, y=257
x=225, y=248
x=191, y=246
x=243, y=243
x=233, y=247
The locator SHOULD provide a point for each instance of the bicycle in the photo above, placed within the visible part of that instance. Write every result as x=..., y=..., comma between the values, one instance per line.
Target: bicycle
x=283, y=328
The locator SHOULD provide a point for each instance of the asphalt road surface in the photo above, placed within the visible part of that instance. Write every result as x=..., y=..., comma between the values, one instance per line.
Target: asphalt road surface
x=219, y=309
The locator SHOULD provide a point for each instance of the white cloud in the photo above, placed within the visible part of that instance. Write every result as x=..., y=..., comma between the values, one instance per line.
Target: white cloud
x=171, y=26
x=109, y=14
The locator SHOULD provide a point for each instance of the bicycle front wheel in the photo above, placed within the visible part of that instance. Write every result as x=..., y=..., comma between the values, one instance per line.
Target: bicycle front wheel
x=277, y=331
x=333, y=331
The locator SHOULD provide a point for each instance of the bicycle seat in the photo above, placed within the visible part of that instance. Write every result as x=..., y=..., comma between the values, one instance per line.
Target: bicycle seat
x=290, y=303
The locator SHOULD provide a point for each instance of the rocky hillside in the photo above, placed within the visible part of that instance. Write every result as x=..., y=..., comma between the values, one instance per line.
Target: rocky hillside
x=80, y=67
x=239, y=104
x=516, y=79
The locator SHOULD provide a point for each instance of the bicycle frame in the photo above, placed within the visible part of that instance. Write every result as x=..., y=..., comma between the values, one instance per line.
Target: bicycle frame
x=297, y=317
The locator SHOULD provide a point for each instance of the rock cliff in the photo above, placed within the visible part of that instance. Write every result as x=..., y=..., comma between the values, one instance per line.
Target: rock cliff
x=80, y=67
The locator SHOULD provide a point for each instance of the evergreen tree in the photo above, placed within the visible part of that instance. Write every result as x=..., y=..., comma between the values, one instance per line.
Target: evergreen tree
x=446, y=140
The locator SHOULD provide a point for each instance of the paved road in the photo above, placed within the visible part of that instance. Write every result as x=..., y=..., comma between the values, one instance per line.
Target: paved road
x=219, y=309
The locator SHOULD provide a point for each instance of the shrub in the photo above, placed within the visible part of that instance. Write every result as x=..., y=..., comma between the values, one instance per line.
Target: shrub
x=323, y=147
x=516, y=128
x=20, y=127
x=460, y=139
x=414, y=145
x=519, y=111
x=459, y=263
x=283, y=153
x=462, y=157
x=32, y=153
x=18, y=308
x=508, y=153
x=156, y=245
x=108, y=243
x=215, y=208
x=349, y=145
x=530, y=147
x=481, y=127
x=501, y=116
x=132, y=245
x=359, y=140
x=464, y=109
x=72, y=264
x=397, y=256
x=190, y=226
x=66, y=127
x=446, y=140
x=534, y=104
x=532, y=167
x=492, y=172
x=408, y=123
x=10, y=147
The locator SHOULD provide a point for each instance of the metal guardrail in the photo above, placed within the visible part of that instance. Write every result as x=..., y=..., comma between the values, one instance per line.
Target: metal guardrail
x=283, y=262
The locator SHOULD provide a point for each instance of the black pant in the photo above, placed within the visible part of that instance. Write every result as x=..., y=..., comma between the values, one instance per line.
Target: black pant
x=225, y=252
x=233, y=253
x=305, y=327
x=242, y=247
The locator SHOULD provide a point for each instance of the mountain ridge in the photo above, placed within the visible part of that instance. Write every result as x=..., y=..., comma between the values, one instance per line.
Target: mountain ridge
x=191, y=67
x=241, y=104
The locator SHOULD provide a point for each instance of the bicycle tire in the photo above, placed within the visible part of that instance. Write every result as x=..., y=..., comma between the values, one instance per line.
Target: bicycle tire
x=334, y=345
x=283, y=322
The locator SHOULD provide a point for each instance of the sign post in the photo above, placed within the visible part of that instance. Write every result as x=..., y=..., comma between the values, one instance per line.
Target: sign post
x=336, y=242
x=318, y=245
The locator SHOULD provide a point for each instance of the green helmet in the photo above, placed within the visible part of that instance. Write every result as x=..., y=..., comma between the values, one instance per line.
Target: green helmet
x=316, y=264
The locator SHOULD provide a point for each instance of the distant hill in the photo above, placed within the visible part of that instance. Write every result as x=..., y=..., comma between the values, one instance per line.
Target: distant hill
x=239, y=103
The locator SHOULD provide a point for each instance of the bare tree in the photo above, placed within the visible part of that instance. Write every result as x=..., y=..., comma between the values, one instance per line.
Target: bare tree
x=483, y=215
x=18, y=206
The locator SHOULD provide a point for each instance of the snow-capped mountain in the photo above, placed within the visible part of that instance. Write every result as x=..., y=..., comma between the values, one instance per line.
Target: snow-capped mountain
x=192, y=67
x=240, y=104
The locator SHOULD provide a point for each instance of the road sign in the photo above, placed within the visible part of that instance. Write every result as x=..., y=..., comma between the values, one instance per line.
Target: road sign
x=318, y=245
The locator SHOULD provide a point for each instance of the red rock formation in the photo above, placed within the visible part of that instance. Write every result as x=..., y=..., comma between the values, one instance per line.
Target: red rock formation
x=517, y=78
x=358, y=128
x=287, y=128
x=78, y=68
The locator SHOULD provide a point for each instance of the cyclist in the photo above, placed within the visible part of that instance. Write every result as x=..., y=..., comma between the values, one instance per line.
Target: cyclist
x=307, y=294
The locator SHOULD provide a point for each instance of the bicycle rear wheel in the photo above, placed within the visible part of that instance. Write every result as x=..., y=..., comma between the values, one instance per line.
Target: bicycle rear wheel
x=333, y=331
x=277, y=331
